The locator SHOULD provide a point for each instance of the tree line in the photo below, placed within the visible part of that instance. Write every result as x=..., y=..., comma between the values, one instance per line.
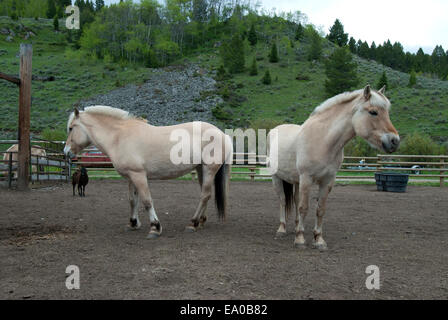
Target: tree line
x=393, y=55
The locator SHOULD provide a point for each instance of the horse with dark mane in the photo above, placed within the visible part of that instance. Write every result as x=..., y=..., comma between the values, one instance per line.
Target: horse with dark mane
x=80, y=178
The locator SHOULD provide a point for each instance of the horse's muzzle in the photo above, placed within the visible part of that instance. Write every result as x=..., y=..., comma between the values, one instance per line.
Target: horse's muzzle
x=68, y=152
x=390, y=142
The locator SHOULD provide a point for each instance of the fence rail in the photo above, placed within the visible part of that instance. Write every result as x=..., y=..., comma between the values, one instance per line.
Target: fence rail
x=434, y=168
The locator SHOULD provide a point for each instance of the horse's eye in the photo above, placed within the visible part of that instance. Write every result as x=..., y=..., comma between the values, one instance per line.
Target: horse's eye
x=373, y=113
x=70, y=129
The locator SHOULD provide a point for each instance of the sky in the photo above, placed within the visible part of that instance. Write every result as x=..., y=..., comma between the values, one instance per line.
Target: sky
x=413, y=23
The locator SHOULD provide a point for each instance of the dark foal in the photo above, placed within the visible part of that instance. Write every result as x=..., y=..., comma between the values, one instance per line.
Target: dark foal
x=81, y=179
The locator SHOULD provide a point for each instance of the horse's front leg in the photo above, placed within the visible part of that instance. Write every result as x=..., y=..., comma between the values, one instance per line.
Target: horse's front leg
x=134, y=222
x=304, y=195
x=324, y=191
x=140, y=182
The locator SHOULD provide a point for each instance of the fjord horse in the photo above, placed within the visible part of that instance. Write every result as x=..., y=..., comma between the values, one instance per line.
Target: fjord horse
x=140, y=151
x=313, y=153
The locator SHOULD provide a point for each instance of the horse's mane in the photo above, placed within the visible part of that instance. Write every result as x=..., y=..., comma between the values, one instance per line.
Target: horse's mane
x=376, y=99
x=103, y=110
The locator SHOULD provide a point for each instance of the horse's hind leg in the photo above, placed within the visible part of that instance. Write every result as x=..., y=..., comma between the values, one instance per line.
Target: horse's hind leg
x=278, y=187
x=199, y=217
x=134, y=221
x=203, y=217
x=140, y=182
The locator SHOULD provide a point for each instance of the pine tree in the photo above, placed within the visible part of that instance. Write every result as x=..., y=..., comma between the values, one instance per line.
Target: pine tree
x=383, y=81
x=252, y=36
x=253, y=68
x=412, y=79
x=56, y=23
x=299, y=32
x=99, y=4
x=337, y=34
x=273, y=55
x=266, y=78
x=51, y=10
x=352, y=45
x=232, y=53
x=315, y=50
x=341, y=72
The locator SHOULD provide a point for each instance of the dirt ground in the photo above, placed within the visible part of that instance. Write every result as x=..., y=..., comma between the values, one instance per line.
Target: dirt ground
x=45, y=230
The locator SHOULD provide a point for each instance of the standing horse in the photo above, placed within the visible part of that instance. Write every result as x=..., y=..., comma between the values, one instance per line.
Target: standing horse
x=35, y=151
x=313, y=152
x=140, y=151
x=80, y=178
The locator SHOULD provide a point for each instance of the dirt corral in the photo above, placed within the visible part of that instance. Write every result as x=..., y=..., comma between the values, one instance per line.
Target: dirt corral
x=45, y=230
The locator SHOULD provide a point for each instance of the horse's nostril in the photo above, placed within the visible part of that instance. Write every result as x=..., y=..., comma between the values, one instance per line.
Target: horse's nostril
x=394, y=141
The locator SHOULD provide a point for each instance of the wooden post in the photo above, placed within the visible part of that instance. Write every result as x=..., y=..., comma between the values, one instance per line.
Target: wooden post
x=26, y=55
x=442, y=180
x=10, y=170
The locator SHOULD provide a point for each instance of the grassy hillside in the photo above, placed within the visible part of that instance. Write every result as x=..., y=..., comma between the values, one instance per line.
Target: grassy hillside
x=76, y=78
x=423, y=108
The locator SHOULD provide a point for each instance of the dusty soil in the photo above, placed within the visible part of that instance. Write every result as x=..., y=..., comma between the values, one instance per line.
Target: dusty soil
x=45, y=230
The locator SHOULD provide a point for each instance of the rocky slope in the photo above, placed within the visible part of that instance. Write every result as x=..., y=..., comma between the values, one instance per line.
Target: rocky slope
x=172, y=95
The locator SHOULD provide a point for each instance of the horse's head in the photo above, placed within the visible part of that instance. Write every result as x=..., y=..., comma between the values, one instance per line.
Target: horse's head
x=372, y=123
x=77, y=137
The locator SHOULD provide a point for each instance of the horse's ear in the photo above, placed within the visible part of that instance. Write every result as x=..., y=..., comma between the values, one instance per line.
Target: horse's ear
x=382, y=90
x=76, y=112
x=367, y=93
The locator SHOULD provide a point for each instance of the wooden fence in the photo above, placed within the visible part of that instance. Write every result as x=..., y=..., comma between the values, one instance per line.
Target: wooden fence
x=427, y=168
x=51, y=167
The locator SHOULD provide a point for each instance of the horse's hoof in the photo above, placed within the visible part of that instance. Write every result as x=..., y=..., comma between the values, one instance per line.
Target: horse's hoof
x=300, y=246
x=280, y=234
x=153, y=235
x=190, y=229
x=320, y=246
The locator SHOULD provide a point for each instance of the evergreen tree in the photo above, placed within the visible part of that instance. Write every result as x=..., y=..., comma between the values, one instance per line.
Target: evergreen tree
x=253, y=68
x=232, y=53
x=273, y=55
x=341, y=72
x=364, y=50
x=352, y=46
x=56, y=23
x=383, y=81
x=299, y=32
x=99, y=4
x=51, y=10
x=372, y=54
x=337, y=34
x=315, y=50
x=412, y=79
x=266, y=78
x=252, y=36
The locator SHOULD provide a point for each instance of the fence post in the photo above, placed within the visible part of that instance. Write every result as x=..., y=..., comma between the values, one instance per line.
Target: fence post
x=442, y=179
x=26, y=54
x=10, y=170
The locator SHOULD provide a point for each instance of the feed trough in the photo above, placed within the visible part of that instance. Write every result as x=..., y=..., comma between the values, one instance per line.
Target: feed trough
x=391, y=181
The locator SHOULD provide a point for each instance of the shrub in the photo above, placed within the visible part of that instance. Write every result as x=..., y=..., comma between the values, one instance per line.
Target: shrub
x=412, y=79
x=358, y=147
x=253, y=68
x=266, y=78
x=273, y=55
x=420, y=144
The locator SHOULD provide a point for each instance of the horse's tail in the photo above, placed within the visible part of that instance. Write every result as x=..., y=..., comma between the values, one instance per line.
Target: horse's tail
x=288, y=189
x=222, y=179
